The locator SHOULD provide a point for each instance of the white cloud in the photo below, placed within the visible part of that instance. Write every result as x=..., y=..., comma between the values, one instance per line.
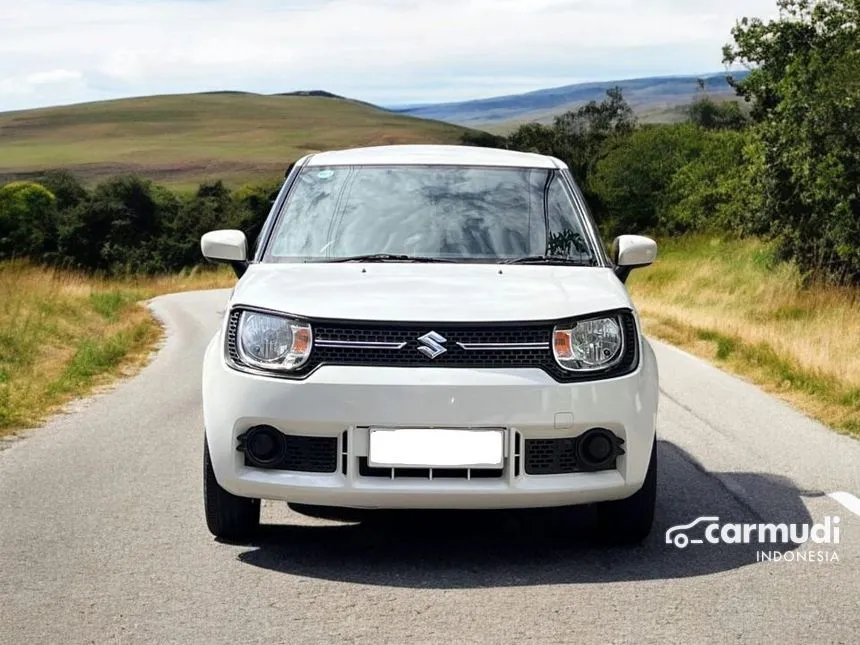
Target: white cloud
x=54, y=76
x=31, y=83
x=379, y=50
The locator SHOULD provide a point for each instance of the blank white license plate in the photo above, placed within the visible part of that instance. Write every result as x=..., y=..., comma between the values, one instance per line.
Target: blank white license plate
x=439, y=448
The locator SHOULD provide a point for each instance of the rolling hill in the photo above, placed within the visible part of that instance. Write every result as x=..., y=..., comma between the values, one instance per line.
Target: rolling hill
x=653, y=98
x=182, y=140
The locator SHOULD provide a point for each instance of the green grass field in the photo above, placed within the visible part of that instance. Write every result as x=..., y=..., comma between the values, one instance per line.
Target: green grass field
x=183, y=140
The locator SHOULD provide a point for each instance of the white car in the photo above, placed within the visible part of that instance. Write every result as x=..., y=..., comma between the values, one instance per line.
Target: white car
x=429, y=327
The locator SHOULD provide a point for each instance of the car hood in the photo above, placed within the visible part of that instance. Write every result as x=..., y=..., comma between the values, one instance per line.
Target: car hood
x=430, y=292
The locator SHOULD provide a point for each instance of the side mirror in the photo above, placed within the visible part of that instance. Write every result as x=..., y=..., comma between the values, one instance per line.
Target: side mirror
x=226, y=246
x=630, y=252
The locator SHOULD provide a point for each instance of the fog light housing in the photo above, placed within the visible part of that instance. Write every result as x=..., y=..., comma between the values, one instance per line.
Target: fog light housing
x=263, y=446
x=597, y=449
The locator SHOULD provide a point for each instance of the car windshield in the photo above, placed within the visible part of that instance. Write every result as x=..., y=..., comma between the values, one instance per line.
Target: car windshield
x=430, y=213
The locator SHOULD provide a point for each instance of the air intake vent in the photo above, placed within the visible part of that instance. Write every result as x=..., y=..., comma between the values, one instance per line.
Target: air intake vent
x=366, y=470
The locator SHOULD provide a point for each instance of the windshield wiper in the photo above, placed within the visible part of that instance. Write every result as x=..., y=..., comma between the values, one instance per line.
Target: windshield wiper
x=546, y=259
x=387, y=257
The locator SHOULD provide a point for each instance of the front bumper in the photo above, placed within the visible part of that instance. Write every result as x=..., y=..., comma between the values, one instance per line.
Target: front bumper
x=344, y=402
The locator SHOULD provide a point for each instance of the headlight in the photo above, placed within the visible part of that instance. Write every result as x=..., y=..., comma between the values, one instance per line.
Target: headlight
x=270, y=342
x=588, y=345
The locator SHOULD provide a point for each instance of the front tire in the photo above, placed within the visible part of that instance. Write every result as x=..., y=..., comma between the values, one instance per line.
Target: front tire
x=228, y=517
x=629, y=521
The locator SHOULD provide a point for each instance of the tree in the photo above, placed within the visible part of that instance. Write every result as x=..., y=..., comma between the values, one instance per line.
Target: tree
x=804, y=87
x=533, y=137
x=66, y=188
x=482, y=139
x=212, y=207
x=632, y=178
x=28, y=215
x=707, y=113
x=710, y=192
x=118, y=228
x=584, y=132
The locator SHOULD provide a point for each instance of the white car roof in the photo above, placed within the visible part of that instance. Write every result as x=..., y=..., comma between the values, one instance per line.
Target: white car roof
x=432, y=156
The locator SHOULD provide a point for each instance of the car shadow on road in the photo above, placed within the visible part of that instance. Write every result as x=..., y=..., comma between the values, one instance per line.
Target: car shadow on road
x=473, y=549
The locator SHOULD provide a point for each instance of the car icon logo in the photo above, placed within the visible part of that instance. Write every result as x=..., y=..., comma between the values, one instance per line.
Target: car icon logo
x=432, y=345
x=677, y=535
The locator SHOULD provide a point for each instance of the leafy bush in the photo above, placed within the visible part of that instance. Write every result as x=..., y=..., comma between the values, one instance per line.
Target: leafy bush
x=632, y=179
x=28, y=214
x=708, y=114
x=212, y=207
x=66, y=188
x=711, y=191
x=124, y=225
x=535, y=137
x=483, y=139
x=119, y=228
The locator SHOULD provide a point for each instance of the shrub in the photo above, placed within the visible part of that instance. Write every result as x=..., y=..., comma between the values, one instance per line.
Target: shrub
x=28, y=215
x=117, y=230
x=708, y=114
x=211, y=207
x=483, y=139
x=66, y=188
x=711, y=191
x=632, y=179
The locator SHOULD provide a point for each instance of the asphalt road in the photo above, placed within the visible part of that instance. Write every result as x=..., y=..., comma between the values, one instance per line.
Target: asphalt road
x=102, y=537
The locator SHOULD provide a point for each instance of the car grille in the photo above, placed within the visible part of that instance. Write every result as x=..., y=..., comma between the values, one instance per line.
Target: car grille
x=320, y=455
x=366, y=470
x=484, y=346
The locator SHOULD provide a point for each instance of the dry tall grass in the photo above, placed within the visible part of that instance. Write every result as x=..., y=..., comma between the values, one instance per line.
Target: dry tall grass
x=732, y=302
x=63, y=333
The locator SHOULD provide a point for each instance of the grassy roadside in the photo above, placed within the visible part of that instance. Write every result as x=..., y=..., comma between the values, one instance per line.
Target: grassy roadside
x=732, y=303
x=63, y=334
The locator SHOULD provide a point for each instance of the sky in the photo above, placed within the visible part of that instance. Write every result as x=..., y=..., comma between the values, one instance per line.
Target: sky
x=388, y=52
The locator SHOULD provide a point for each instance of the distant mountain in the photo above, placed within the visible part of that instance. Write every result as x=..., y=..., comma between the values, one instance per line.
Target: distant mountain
x=653, y=95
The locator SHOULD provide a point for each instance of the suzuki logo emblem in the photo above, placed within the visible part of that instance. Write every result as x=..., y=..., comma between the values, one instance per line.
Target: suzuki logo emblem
x=432, y=345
